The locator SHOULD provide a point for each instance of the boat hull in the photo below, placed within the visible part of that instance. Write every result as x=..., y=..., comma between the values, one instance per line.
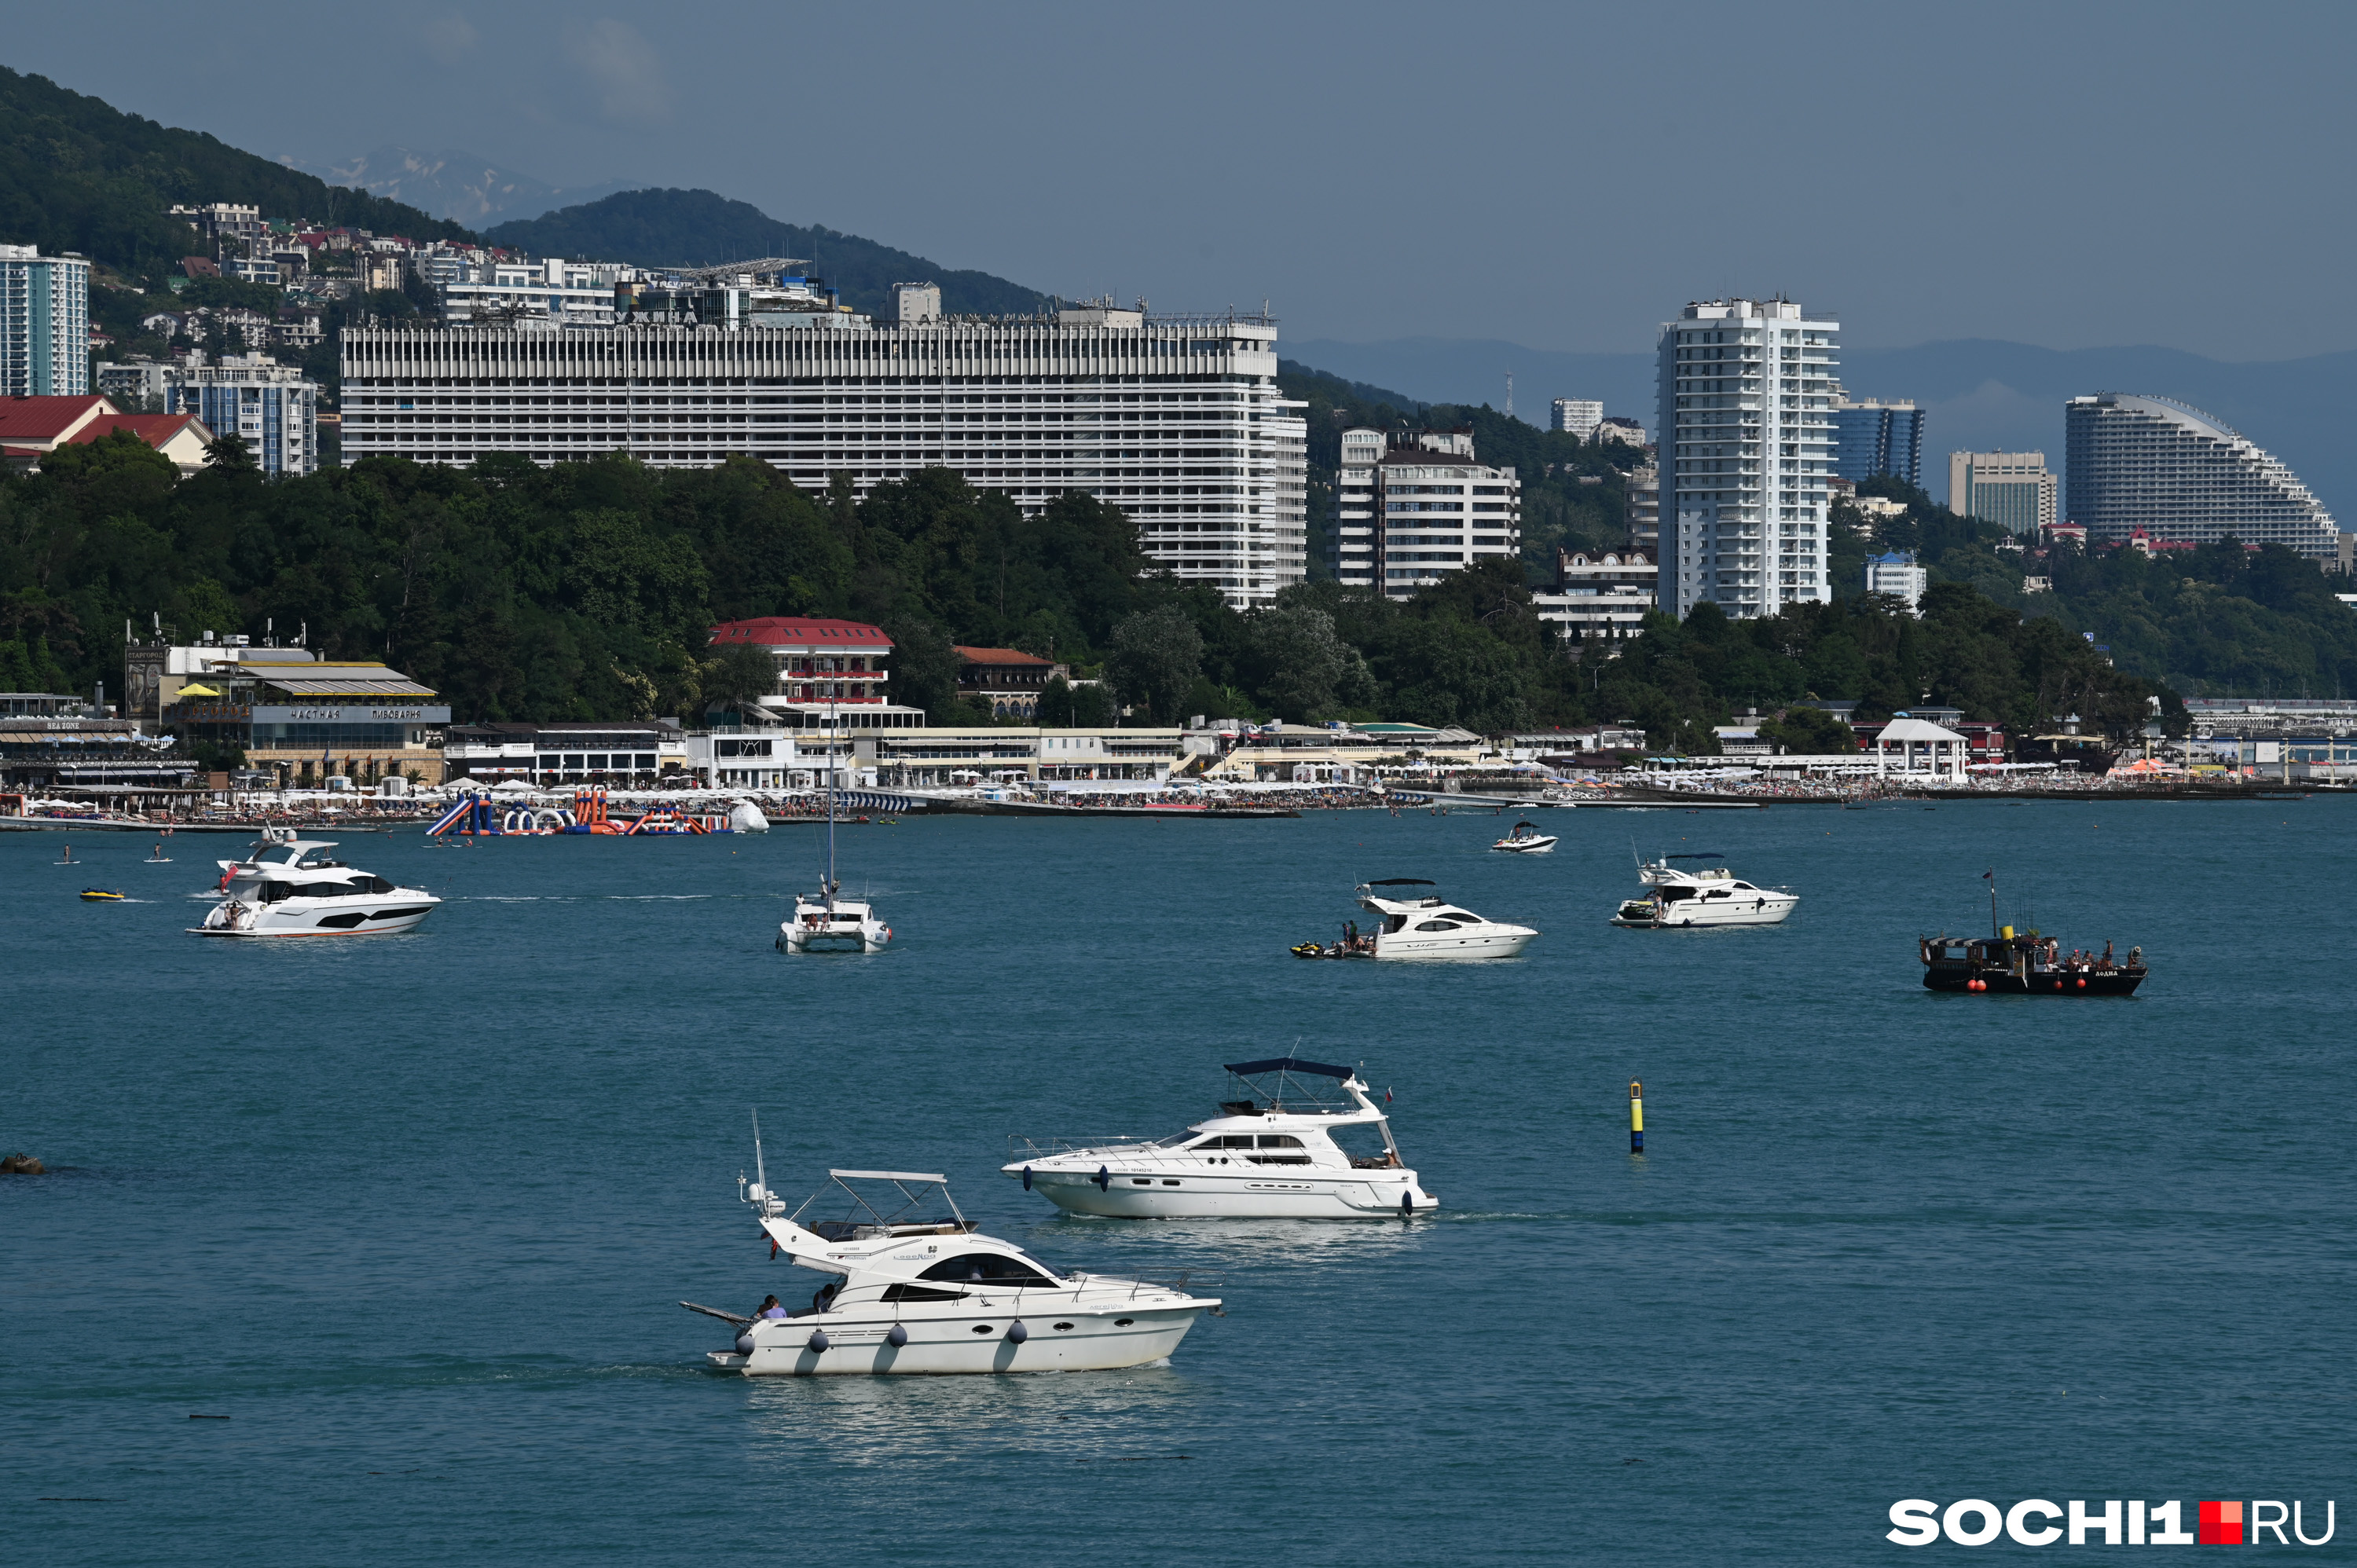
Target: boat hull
x=2041, y=983
x=1677, y=918
x=1525, y=846
x=794, y=939
x=1269, y=1193
x=1056, y=1339
x=366, y=918
x=1410, y=945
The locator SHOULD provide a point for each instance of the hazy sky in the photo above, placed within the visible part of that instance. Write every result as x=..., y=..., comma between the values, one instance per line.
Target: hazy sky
x=1559, y=176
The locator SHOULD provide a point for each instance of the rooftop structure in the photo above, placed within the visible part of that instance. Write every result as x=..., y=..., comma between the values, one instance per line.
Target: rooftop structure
x=2155, y=464
x=1748, y=390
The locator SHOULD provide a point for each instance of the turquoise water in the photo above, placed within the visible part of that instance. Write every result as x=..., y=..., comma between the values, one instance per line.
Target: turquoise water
x=413, y=1212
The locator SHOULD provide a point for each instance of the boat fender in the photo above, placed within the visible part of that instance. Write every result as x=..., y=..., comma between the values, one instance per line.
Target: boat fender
x=817, y=1341
x=745, y=1343
x=1026, y=1178
x=1017, y=1333
x=897, y=1337
x=1407, y=1202
x=2083, y=985
x=1104, y=1177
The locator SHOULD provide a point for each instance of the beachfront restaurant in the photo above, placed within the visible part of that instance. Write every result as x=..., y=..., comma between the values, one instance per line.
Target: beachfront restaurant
x=306, y=721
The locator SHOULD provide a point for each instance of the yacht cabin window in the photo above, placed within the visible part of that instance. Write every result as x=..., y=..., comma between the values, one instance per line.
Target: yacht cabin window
x=985, y=1268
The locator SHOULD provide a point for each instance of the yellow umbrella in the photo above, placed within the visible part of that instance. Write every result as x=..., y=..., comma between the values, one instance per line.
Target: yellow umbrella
x=198, y=691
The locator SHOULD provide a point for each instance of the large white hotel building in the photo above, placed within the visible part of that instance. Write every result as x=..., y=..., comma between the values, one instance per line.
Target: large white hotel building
x=1746, y=391
x=1177, y=420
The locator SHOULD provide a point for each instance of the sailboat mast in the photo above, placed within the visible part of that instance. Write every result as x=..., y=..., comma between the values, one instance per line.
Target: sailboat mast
x=834, y=740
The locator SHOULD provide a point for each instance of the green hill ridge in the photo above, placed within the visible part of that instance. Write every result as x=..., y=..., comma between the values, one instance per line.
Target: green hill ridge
x=661, y=228
x=77, y=174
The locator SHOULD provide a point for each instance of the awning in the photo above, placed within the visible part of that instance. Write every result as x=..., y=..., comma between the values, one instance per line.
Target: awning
x=198, y=691
x=1287, y=1064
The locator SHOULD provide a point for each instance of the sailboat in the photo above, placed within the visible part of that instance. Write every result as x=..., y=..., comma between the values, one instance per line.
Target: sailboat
x=825, y=921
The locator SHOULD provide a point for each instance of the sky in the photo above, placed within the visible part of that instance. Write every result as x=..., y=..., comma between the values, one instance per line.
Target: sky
x=1564, y=176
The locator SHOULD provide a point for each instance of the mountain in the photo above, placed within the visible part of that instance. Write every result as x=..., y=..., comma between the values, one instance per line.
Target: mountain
x=697, y=228
x=78, y=174
x=1979, y=394
x=460, y=187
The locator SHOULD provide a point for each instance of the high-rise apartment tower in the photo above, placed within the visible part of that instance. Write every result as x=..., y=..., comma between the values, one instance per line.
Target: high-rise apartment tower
x=1748, y=390
x=2154, y=464
x=2010, y=488
x=1873, y=438
x=1578, y=416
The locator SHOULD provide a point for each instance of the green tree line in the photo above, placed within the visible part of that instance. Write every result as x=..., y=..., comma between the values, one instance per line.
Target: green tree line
x=585, y=591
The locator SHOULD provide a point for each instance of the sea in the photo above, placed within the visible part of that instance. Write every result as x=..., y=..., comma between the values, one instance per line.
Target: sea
x=369, y=1251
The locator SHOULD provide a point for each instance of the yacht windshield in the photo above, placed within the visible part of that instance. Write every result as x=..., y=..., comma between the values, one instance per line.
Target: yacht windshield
x=277, y=855
x=987, y=1267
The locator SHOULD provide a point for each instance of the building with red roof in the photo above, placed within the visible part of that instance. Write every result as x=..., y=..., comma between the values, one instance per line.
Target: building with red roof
x=823, y=666
x=1008, y=679
x=31, y=426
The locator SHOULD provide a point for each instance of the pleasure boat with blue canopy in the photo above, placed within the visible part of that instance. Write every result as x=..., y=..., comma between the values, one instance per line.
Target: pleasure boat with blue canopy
x=1296, y=1139
x=914, y=1287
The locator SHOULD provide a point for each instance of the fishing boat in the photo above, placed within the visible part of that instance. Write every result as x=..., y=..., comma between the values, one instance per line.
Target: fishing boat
x=2026, y=963
x=825, y=921
x=1681, y=898
x=916, y=1287
x=291, y=886
x=1526, y=839
x=1420, y=927
x=1303, y=1140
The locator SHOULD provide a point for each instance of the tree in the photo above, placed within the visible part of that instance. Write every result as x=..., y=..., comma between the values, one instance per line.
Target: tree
x=228, y=454
x=1300, y=662
x=736, y=676
x=1809, y=731
x=1155, y=656
x=924, y=669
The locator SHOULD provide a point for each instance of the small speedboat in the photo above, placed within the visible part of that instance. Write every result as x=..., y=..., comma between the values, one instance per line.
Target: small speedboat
x=916, y=1288
x=290, y=886
x=1681, y=898
x=1288, y=1146
x=1429, y=926
x=1526, y=839
x=101, y=895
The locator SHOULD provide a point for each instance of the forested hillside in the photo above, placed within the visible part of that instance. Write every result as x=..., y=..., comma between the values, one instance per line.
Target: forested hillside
x=2216, y=621
x=697, y=228
x=584, y=592
x=78, y=174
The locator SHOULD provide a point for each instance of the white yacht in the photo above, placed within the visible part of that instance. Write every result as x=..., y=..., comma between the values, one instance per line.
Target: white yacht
x=290, y=886
x=1289, y=1147
x=1433, y=927
x=916, y=1289
x=1714, y=898
x=825, y=921
x=1526, y=839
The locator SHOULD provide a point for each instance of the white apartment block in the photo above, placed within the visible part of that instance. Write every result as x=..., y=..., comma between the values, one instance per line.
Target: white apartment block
x=1289, y=445
x=44, y=323
x=1413, y=507
x=1746, y=391
x=550, y=292
x=1578, y=414
x=1897, y=575
x=271, y=405
x=1174, y=419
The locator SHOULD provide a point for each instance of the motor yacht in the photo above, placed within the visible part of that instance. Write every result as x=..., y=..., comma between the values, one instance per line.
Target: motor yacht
x=1526, y=839
x=290, y=886
x=1303, y=1141
x=916, y=1288
x=1714, y=898
x=1432, y=928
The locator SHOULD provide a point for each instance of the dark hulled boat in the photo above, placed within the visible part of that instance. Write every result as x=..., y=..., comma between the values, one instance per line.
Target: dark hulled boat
x=2029, y=965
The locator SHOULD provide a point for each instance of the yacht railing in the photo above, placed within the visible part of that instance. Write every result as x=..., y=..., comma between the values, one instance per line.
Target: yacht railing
x=1019, y=1147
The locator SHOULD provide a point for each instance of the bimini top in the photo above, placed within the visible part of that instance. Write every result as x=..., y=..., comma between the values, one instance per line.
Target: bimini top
x=1403, y=882
x=1287, y=1064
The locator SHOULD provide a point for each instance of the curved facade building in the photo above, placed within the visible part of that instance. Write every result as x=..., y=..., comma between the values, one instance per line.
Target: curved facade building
x=2154, y=464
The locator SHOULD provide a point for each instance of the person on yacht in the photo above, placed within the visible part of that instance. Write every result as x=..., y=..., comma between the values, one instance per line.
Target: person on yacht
x=771, y=1307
